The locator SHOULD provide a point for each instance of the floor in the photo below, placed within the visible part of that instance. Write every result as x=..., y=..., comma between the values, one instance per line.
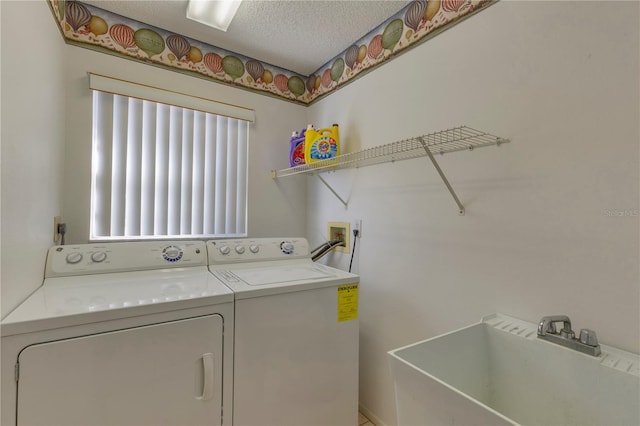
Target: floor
x=363, y=421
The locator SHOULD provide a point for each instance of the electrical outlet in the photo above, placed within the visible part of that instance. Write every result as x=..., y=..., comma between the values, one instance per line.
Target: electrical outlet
x=357, y=225
x=339, y=231
x=56, y=234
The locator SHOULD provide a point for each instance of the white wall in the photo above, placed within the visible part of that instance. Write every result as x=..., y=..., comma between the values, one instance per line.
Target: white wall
x=33, y=111
x=275, y=207
x=561, y=80
x=46, y=143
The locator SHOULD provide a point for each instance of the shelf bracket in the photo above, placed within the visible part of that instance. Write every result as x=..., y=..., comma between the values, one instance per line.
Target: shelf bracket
x=444, y=178
x=332, y=190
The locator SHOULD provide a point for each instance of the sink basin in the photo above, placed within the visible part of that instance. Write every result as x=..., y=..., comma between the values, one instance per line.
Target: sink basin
x=497, y=372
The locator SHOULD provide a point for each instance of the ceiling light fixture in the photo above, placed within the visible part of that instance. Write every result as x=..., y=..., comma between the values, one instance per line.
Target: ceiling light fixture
x=214, y=13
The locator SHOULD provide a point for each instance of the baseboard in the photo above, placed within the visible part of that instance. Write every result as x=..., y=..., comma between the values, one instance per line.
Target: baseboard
x=371, y=416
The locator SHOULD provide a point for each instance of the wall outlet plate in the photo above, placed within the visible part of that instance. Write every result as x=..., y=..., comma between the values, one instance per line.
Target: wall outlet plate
x=357, y=225
x=56, y=221
x=339, y=231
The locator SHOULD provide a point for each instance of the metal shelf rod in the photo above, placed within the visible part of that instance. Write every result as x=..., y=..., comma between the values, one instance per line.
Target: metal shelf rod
x=332, y=190
x=444, y=179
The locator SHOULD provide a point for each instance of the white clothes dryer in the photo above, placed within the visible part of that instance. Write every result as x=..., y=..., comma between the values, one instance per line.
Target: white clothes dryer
x=135, y=333
x=296, y=333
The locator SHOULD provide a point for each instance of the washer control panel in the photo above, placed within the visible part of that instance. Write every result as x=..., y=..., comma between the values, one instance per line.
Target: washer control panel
x=81, y=259
x=256, y=250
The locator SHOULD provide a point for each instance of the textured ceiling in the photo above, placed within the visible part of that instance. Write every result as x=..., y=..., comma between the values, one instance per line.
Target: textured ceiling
x=298, y=35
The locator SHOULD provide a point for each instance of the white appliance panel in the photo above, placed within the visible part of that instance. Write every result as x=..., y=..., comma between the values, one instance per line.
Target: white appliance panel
x=74, y=300
x=251, y=250
x=113, y=378
x=296, y=334
x=121, y=333
x=295, y=364
x=85, y=259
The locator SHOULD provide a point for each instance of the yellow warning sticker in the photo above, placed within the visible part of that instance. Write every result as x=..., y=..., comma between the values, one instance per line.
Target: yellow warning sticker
x=347, y=302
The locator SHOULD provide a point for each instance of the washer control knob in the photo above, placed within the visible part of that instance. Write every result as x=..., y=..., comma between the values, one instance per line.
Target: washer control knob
x=74, y=258
x=98, y=256
x=286, y=247
x=172, y=253
x=224, y=250
x=254, y=248
x=239, y=249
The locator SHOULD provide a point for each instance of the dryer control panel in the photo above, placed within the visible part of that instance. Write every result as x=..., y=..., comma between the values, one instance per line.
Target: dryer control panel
x=256, y=250
x=82, y=259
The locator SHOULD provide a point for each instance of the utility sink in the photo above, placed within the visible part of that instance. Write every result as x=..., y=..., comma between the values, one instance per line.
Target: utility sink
x=497, y=372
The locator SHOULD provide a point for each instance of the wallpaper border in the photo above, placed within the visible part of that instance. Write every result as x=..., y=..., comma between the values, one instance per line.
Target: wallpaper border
x=106, y=32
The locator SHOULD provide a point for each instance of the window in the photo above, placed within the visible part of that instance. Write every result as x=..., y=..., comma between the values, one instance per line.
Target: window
x=164, y=170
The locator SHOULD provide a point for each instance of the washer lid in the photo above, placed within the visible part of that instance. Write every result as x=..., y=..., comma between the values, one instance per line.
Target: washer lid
x=283, y=274
x=254, y=280
x=67, y=301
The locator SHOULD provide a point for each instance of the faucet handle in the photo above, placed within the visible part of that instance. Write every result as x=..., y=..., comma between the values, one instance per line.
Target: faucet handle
x=567, y=333
x=588, y=337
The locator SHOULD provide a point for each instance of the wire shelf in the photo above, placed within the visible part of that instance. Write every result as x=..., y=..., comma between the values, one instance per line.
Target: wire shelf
x=461, y=138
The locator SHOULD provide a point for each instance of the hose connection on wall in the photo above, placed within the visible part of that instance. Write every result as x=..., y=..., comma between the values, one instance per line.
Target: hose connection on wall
x=325, y=248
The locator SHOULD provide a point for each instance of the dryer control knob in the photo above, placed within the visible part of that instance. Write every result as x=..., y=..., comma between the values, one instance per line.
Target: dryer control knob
x=172, y=253
x=99, y=256
x=239, y=249
x=224, y=250
x=286, y=247
x=74, y=258
x=254, y=248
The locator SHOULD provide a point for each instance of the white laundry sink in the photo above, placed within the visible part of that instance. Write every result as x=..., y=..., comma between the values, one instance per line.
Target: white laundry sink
x=497, y=372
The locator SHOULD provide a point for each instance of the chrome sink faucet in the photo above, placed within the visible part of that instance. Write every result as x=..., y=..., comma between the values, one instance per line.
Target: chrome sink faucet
x=587, y=342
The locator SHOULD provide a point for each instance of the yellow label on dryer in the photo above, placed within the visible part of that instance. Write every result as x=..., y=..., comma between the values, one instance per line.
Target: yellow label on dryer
x=347, y=302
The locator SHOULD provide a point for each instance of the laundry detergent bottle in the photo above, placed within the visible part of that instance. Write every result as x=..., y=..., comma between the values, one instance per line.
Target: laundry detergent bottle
x=296, y=149
x=322, y=144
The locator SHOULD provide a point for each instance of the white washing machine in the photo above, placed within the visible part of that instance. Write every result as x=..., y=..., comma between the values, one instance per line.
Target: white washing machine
x=133, y=333
x=296, y=334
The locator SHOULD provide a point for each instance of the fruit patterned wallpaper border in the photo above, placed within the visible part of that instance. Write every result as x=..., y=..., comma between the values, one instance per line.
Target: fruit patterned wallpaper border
x=94, y=28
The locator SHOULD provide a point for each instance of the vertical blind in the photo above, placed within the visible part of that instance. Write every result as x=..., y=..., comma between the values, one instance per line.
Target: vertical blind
x=164, y=171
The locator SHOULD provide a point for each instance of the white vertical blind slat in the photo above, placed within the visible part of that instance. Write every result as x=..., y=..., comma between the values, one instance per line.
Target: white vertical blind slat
x=197, y=189
x=165, y=171
x=147, y=187
x=241, y=177
x=162, y=165
x=221, y=176
x=101, y=163
x=118, y=165
x=186, y=170
x=174, y=173
x=133, y=168
x=231, y=202
x=210, y=152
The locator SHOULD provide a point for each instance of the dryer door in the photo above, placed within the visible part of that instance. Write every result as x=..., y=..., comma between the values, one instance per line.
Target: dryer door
x=163, y=374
